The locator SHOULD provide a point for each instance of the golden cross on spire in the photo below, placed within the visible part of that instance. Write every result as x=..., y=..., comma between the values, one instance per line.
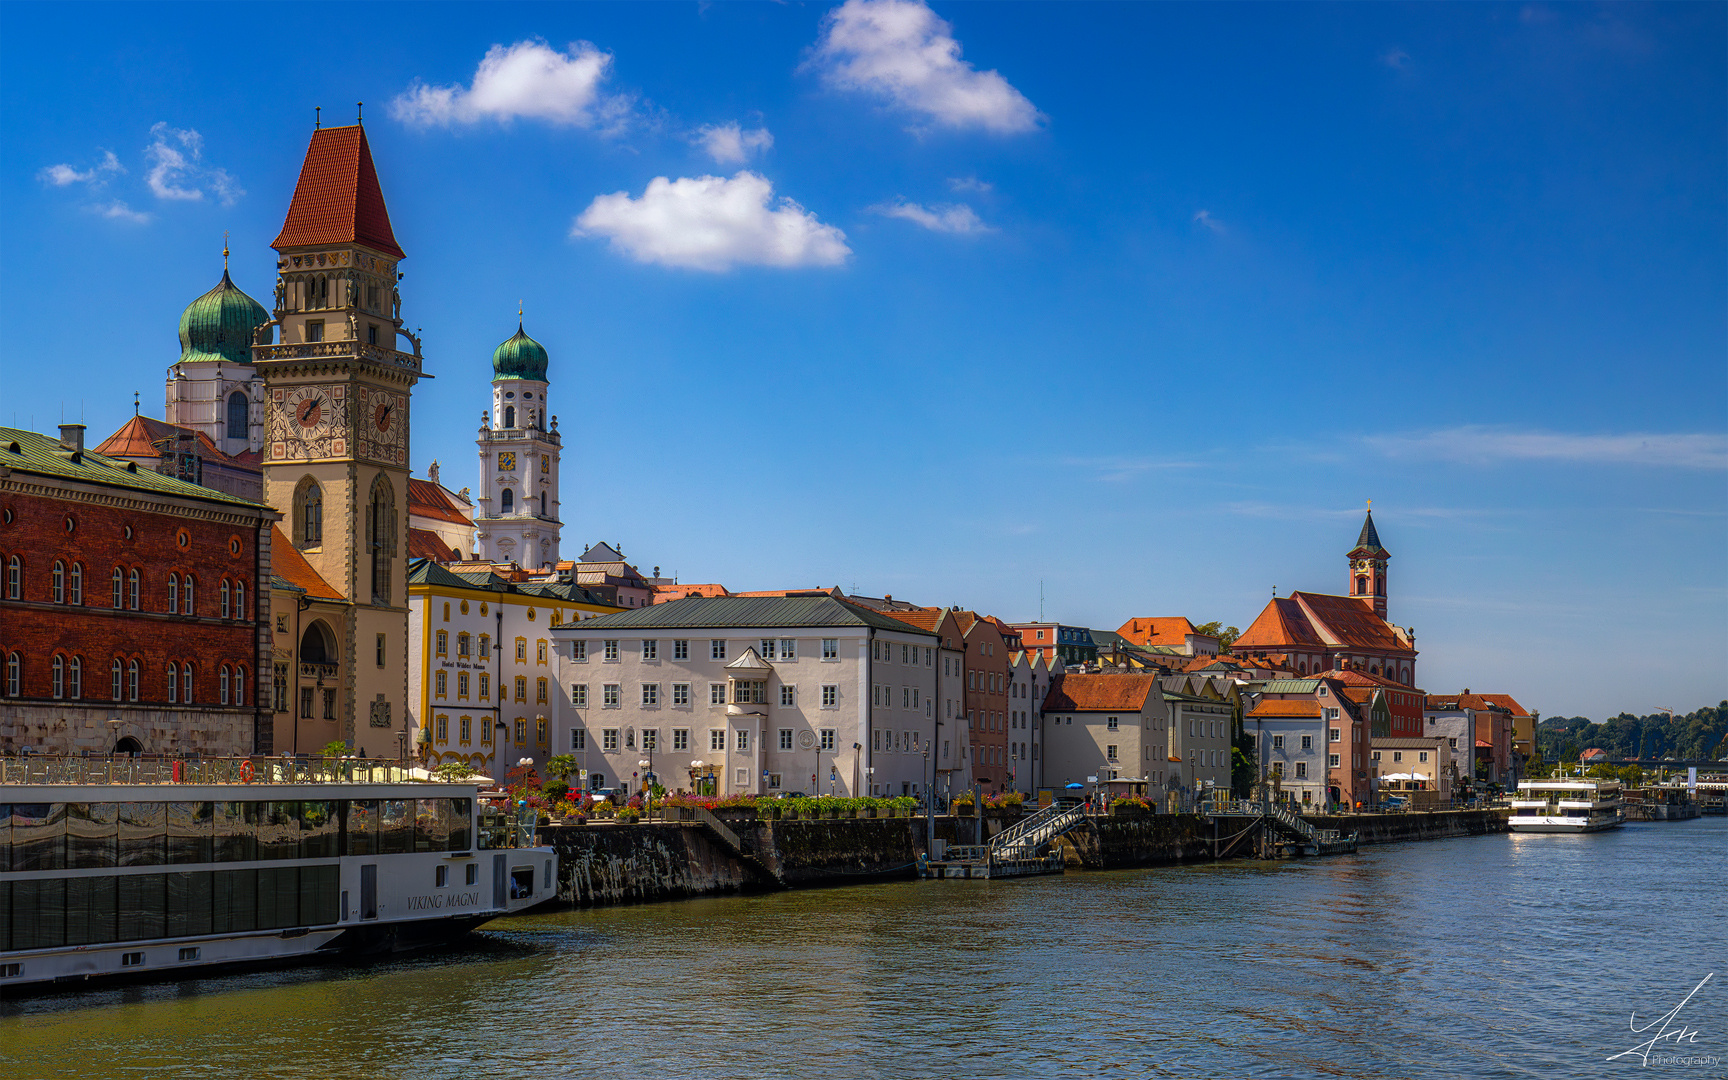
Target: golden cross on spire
x=1370, y=504
x=224, y=251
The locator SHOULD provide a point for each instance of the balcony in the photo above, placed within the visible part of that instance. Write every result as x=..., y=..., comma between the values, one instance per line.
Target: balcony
x=335, y=350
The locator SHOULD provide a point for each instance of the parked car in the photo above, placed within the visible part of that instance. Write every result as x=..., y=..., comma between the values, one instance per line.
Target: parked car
x=604, y=795
x=789, y=795
x=1394, y=803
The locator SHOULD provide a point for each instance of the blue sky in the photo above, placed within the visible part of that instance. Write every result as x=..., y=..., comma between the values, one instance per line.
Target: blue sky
x=1131, y=305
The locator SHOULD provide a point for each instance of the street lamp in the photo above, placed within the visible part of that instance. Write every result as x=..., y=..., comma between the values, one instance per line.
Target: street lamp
x=696, y=773
x=647, y=784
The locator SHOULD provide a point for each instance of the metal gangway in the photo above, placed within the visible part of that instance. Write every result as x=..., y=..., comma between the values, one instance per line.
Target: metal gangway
x=1024, y=838
x=1312, y=839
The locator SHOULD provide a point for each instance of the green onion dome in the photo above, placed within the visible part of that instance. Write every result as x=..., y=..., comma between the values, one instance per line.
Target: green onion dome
x=520, y=358
x=219, y=325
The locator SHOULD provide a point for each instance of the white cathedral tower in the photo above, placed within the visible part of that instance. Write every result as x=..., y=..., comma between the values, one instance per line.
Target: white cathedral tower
x=516, y=504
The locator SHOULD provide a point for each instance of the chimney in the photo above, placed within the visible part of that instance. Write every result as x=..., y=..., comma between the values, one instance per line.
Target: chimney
x=72, y=436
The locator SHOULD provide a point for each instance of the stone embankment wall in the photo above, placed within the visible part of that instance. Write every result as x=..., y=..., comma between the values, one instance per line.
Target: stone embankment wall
x=1396, y=828
x=622, y=864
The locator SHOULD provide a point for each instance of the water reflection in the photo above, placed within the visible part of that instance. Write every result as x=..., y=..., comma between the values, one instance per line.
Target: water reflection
x=1481, y=957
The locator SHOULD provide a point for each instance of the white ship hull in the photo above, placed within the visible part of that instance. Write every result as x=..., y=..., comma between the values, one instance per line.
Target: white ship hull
x=1562, y=824
x=113, y=881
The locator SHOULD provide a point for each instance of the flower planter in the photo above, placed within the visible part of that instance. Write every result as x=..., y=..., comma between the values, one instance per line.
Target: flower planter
x=871, y=812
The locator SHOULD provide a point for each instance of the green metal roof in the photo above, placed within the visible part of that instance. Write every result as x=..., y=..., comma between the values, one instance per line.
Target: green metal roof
x=219, y=325
x=740, y=612
x=1286, y=686
x=520, y=357
x=42, y=455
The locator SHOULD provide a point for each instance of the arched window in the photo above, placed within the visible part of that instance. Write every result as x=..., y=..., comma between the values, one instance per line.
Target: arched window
x=173, y=594
x=222, y=684
x=446, y=611
x=76, y=590
x=240, y=600
x=542, y=504
x=1380, y=586
x=75, y=679
x=132, y=584
x=132, y=681
x=239, y=685
x=119, y=588
x=1361, y=584
x=237, y=415
x=59, y=676
x=186, y=683
x=317, y=644
x=57, y=586
x=14, y=674
x=14, y=578
x=508, y=501
x=173, y=682
x=224, y=598
x=381, y=536
x=116, y=686
x=308, y=514
x=186, y=594
x=509, y=416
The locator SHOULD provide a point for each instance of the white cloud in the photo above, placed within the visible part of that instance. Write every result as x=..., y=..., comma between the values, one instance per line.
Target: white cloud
x=970, y=183
x=1205, y=218
x=528, y=79
x=1480, y=445
x=900, y=51
x=956, y=218
x=177, y=170
x=712, y=223
x=95, y=175
x=729, y=144
x=119, y=211
x=1397, y=59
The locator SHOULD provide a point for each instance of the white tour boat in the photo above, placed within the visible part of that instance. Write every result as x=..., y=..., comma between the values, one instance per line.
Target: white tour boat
x=141, y=868
x=1571, y=805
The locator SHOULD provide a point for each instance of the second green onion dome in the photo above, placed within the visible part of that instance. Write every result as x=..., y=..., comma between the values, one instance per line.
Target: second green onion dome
x=520, y=358
x=219, y=325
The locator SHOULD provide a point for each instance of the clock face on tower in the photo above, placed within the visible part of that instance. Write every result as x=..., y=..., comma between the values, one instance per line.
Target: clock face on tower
x=507, y=462
x=383, y=433
x=308, y=421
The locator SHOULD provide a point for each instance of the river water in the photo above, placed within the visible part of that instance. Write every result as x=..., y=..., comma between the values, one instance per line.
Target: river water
x=1494, y=956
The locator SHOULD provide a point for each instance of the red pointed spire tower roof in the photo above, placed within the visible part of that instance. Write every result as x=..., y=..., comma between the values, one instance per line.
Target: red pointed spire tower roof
x=338, y=200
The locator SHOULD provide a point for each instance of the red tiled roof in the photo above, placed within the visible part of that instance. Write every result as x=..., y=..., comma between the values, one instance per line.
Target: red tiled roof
x=665, y=594
x=1505, y=700
x=143, y=436
x=1306, y=707
x=338, y=200
x=429, y=499
x=1168, y=630
x=1449, y=702
x=426, y=544
x=1357, y=677
x=1352, y=622
x=1099, y=693
x=923, y=619
x=287, y=563
x=1280, y=624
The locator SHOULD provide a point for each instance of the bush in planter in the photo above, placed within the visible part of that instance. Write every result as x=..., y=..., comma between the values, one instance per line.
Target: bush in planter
x=630, y=815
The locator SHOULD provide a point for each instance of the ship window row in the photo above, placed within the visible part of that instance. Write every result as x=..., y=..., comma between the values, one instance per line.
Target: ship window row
x=78, y=836
x=62, y=912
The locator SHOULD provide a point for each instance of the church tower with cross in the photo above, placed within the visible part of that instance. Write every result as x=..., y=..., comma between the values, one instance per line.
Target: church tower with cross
x=516, y=503
x=214, y=389
x=1368, y=566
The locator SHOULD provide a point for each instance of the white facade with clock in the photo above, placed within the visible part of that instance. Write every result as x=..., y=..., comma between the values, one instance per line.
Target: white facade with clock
x=516, y=504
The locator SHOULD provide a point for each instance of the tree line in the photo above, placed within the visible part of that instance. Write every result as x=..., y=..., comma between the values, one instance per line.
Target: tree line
x=1700, y=735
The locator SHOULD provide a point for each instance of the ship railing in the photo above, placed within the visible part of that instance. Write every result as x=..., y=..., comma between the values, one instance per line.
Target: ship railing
x=125, y=769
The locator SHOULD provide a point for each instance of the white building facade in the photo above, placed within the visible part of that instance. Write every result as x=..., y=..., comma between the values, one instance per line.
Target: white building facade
x=516, y=505
x=751, y=695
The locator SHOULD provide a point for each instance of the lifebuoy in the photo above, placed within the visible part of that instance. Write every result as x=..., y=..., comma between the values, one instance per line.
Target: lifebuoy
x=176, y=772
x=245, y=772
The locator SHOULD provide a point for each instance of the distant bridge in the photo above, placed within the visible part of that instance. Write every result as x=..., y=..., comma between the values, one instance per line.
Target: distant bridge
x=1661, y=763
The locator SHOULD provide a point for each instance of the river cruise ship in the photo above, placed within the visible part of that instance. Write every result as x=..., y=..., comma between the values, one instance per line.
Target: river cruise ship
x=1575, y=805
x=154, y=869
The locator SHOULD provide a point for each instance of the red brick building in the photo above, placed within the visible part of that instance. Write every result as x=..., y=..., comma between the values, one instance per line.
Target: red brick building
x=131, y=612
